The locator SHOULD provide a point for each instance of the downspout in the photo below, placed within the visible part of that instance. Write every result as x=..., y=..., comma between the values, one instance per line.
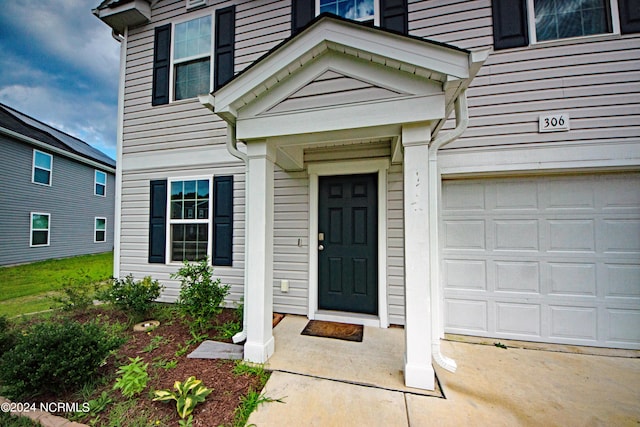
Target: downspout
x=117, y=214
x=437, y=331
x=232, y=147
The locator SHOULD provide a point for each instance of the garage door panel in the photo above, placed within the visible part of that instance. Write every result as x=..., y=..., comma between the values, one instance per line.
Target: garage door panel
x=623, y=280
x=464, y=235
x=573, y=322
x=572, y=279
x=552, y=259
x=466, y=315
x=516, y=235
x=517, y=276
x=518, y=319
x=465, y=274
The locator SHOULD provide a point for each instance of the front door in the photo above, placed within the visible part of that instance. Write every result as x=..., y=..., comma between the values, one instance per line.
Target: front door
x=347, y=243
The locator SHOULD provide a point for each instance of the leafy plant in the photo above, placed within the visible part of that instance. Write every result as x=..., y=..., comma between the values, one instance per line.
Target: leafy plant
x=132, y=296
x=134, y=377
x=228, y=329
x=77, y=292
x=248, y=404
x=196, y=338
x=99, y=404
x=164, y=363
x=182, y=350
x=187, y=395
x=55, y=357
x=201, y=296
x=242, y=368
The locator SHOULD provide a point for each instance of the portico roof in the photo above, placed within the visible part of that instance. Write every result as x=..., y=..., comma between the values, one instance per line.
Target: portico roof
x=342, y=79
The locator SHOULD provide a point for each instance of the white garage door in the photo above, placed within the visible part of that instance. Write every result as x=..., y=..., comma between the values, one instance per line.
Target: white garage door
x=549, y=259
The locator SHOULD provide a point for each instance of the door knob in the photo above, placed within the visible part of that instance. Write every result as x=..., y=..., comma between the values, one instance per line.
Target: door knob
x=321, y=247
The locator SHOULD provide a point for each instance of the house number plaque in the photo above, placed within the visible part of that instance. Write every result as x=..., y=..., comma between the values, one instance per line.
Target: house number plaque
x=554, y=123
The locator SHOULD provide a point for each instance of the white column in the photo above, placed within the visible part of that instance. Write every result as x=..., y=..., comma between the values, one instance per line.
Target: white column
x=418, y=370
x=259, y=263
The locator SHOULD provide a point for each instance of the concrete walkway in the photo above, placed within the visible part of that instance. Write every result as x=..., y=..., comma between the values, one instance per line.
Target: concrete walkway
x=359, y=384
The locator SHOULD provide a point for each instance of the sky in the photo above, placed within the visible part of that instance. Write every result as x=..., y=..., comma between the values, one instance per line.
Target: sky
x=60, y=65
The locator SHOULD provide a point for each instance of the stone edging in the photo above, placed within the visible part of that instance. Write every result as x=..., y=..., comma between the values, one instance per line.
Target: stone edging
x=45, y=419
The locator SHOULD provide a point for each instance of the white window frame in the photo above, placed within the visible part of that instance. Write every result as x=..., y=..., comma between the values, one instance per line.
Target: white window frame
x=376, y=11
x=33, y=168
x=173, y=62
x=171, y=221
x=31, y=229
x=95, y=183
x=95, y=229
x=533, y=40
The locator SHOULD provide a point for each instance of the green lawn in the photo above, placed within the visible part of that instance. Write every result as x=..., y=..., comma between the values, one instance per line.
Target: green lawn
x=25, y=288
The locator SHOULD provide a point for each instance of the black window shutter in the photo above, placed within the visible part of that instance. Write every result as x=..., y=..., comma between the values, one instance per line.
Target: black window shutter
x=222, y=220
x=302, y=12
x=161, y=64
x=629, y=16
x=225, y=45
x=157, y=221
x=510, y=27
x=394, y=16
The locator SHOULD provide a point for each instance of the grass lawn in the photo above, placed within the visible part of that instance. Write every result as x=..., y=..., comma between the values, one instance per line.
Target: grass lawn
x=27, y=288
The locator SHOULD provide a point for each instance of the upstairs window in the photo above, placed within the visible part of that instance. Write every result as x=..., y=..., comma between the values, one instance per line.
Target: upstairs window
x=39, y=229
x=560, y=19
x=358, y=10
x=42, y=165
x=192, y=58
x=100, y=187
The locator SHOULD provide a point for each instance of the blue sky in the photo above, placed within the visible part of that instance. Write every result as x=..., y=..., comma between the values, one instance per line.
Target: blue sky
x=60, y=65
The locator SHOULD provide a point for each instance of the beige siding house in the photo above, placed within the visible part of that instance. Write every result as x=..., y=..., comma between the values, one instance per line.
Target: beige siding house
x=465, y=167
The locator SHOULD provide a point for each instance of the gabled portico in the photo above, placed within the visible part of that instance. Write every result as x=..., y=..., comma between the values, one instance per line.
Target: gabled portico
x=334, y=85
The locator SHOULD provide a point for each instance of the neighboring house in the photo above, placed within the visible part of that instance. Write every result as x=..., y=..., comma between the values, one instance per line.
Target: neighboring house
x=317, y=162
x=56, y=193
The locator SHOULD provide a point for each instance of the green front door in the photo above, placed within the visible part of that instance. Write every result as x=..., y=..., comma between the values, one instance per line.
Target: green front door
x=348, y=243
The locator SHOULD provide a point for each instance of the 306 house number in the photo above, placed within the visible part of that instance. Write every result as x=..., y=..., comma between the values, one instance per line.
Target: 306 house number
x=554, y=123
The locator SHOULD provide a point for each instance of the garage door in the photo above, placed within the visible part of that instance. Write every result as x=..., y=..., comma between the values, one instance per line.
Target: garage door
x=549, y=259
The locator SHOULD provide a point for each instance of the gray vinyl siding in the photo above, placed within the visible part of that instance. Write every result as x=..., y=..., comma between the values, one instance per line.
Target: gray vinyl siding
x=70, y=202
x=595, y=80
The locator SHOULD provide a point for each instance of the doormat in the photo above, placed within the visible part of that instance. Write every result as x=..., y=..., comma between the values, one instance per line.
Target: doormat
x=341, y=331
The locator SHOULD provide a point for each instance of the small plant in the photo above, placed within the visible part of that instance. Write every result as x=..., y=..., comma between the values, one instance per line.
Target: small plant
x=196, y=338
x=55, y=357
x=99, y=404
x=132, y=296
x=134, y=377
x=228, y=329
x=156, y=342
x=248, y=404
x=164, y=363
x=182, y=350
x=242, y=368
x=187, y=395
x=201, y=296
x=77, y=293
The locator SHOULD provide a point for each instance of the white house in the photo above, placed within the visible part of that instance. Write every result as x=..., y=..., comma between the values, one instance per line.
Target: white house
x=455, y=167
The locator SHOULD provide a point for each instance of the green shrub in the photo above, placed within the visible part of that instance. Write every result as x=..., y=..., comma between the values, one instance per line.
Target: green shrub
x=201, y=297
x=134, y=377
x=135, y=297
x=7, y=335
x=77, y=293
x=55, y=357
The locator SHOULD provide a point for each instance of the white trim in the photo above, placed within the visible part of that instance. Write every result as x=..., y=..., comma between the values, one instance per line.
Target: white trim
x=173, y=63
x=531, y=18
x=95, y=183
x=31, y=229
x=316, y=170
x=119, y=143
x=95, y=229
x=33, y=168
x=170, y=222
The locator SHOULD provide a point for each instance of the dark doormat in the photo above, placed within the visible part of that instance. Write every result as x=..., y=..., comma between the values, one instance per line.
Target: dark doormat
x=341, y=331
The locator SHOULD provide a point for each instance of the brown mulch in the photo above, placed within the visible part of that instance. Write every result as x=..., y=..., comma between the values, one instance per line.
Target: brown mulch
x=218, y=408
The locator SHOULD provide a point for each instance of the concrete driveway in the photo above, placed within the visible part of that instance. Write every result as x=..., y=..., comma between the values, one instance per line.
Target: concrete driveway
x=325, y=382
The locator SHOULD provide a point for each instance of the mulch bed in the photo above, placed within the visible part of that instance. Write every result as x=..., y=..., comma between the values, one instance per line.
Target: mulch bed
x=228, y=388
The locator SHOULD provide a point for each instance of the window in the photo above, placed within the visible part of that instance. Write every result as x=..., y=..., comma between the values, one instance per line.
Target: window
x=39, y=229
x=559, y=19
x=100, y=183
x=358, y=10
x=42, y=165
x=189, y=220
x=100, y=230
x=192, y=58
